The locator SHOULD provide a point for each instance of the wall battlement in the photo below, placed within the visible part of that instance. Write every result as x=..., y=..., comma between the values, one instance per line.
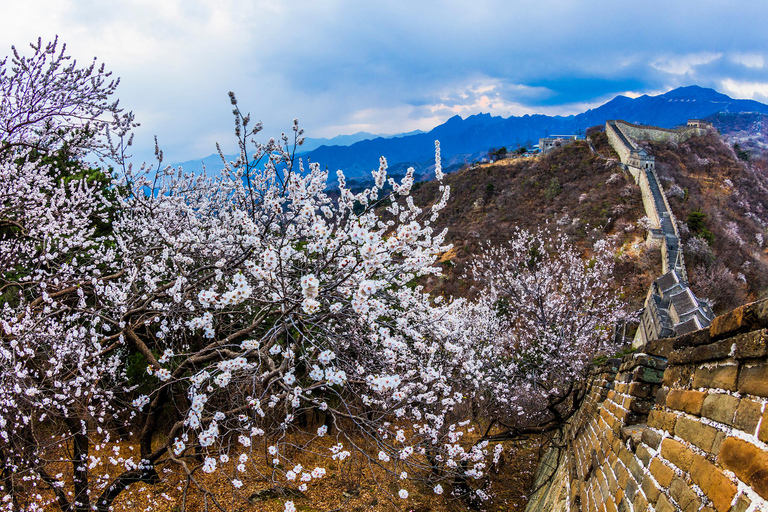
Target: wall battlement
x=680, y=425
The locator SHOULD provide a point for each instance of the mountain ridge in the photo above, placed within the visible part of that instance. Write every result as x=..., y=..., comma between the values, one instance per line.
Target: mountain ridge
x=468, y=139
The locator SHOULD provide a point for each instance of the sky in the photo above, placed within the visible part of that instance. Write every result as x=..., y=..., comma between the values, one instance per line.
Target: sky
x=386, y=67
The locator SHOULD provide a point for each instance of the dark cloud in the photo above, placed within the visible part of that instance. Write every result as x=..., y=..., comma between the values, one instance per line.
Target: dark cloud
x=392, y=66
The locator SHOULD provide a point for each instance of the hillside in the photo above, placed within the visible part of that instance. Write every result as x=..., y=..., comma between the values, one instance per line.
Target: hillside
x=574, y=190
x=586, y=196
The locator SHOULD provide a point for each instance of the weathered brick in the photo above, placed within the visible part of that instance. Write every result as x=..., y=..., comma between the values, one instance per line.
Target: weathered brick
x=692, y=339
x=696, y=432
x=640, y=504
x=662, y=420
x=684, y=496
x=751, y=345
x=720, y=407
x=713, y=482
x=663, y=505
x=754, y=380
x=712, y=352
x=743, y=319
x=643, y=454
x=763, y=434
x=661, y=348
x=677, y=453
x=650, y=490
x=649, y=375
x=719, y=438
x=718, y=377
x=742, y=504
x=651, y=438
x=661, y=472
x=748, y=462
x=687, y=401
x=747, y=415
x=639, y=389
x=636, y=469
x=678, y=376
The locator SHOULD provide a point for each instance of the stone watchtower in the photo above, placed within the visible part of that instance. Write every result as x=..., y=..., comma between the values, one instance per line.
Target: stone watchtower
x=641, y=159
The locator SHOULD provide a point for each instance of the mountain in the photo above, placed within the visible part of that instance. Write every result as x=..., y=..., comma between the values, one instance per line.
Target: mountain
x=213, y=161
x=470, y=138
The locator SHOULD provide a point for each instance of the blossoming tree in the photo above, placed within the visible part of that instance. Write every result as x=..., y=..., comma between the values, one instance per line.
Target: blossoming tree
x=224, y=325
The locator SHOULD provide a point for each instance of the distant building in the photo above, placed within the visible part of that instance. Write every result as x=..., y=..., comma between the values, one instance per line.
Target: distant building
x=698, y=123
x=547, y=144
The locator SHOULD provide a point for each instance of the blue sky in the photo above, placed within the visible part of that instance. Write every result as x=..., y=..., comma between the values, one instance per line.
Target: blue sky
x=391, y=66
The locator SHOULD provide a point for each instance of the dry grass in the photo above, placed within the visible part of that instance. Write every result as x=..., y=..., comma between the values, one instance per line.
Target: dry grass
x=352, y=485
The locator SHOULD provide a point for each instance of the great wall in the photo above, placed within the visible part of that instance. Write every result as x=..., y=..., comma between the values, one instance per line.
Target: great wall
x=681, y=423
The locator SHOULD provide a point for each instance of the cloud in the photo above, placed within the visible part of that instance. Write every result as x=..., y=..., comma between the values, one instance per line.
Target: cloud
x=750, y=60
x=684, y=64
x=390, y=66
x=749, y=90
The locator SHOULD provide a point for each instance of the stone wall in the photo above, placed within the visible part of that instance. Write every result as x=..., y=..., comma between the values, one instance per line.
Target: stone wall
x=619, y=143
x=681, y=425
x=642, y=132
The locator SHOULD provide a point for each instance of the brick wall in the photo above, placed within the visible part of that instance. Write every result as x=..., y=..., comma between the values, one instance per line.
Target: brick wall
x=681, y=426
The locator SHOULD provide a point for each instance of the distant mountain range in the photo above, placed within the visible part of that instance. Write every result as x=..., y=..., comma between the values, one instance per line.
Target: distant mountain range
x=464, y=140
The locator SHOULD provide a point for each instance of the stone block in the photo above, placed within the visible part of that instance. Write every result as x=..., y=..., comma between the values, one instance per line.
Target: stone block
x=639, y=389
x=719, y=438
x=684, y=496
x=747, y=415
x=751, y=345
x=686, y=401
x=753, y=380
x=716, y=377
x=663, y=505
x=658, y=363
x=636, y=469
x=676, y=453
x=678, y=376
x=763, y=434
x=648, y=375
x=696, y=433
x=651, y=438
x=662, y=420
x=640, y=504
x=692, y=339
x=659, y=348
x=644, y=455
x=720, y=407
x=661, y=472
x=712, y=352
x=650, y=490
x=748, y=463
x=718, y=488
x=742, y=504
x=743, y=319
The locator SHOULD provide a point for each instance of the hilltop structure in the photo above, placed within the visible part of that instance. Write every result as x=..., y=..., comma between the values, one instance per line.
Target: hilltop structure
x=547, y=144
x=671, y=307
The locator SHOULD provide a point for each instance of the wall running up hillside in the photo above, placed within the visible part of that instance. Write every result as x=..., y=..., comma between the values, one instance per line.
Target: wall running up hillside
x=671, y=306
x=643, y=132
x=680, y=425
